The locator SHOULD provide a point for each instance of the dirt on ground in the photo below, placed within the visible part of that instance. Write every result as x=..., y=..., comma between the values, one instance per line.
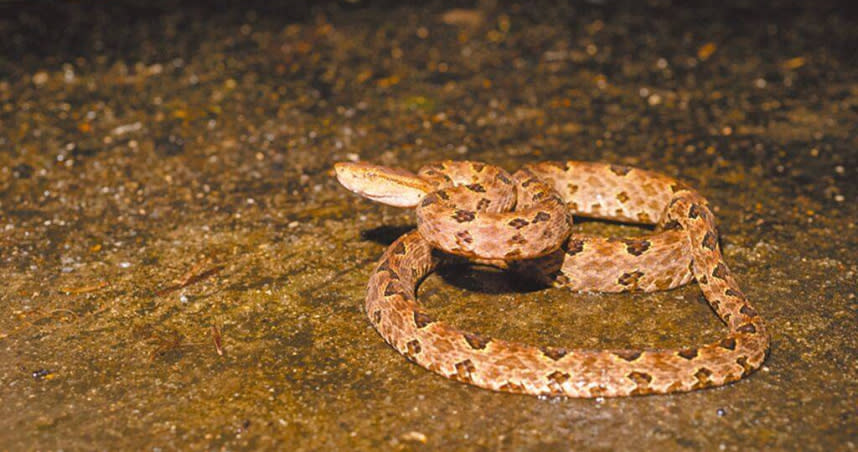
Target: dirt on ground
x=181, y=270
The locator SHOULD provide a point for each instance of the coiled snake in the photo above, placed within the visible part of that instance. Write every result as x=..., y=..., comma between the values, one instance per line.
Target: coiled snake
x=522, y=221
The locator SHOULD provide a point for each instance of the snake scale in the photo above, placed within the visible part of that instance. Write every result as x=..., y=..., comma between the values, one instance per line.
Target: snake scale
x=523, y=222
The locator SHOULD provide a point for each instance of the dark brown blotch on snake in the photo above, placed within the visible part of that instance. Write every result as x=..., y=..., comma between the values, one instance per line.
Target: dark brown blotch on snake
x=703, y=377
x=620, y=170
x=720, y=271
x=747, y=328
x=464, y=216
x=574, y=246
x=553, y=352
x=476, y=188
x=688, y=353
x=729, y=343
x=519, y=223
x=465, y=236
x=748, y=311
x=640, y=378
x=413, y=347
x=476, y=341
x=637, y=247
x=541, y=216
x=710, y=241
x=464, y=370
x=422, y=320
x=630, y=279
x=629, y=355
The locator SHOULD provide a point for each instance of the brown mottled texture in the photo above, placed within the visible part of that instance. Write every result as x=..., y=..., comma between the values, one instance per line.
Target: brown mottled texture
x=497, y=231
x=667, y=258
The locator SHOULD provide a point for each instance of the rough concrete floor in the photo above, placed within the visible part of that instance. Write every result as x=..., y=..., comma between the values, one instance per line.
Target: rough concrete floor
x=165, y=179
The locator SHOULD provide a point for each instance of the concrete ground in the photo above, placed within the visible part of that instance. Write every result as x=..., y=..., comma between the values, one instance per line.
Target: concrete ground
x=181, y=270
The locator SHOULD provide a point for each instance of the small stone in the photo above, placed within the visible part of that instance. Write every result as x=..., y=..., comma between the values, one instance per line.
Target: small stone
x=40, y=78
x=654, y=100
x=414, y=436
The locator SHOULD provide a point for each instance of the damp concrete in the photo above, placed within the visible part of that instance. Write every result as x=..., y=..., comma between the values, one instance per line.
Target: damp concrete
x=182, y=271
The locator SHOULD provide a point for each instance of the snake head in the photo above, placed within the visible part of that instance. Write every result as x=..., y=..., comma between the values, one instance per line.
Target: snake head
x=392, y=186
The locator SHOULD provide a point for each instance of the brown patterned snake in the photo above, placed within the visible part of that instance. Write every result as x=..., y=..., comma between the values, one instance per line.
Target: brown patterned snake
x=523, y=221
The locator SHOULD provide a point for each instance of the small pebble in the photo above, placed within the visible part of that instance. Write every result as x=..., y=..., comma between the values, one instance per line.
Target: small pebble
x=414, y=436
x=40, y=78
x=655, y=99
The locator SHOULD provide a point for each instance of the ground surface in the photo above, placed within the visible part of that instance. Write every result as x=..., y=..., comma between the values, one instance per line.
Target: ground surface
x=165, y=180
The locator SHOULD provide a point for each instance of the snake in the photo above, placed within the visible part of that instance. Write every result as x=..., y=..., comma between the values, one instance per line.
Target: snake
x=523, y=222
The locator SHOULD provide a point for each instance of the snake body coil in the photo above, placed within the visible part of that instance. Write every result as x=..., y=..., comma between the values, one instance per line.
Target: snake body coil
x=523, y=221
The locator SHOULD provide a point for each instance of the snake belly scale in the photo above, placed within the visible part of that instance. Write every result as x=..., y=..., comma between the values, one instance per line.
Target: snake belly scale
x=523, y=222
